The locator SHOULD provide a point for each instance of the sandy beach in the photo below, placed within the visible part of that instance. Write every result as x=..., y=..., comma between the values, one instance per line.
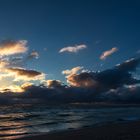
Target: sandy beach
x=117, y=131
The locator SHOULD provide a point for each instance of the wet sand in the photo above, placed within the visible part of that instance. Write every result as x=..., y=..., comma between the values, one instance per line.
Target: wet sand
x=117, y=131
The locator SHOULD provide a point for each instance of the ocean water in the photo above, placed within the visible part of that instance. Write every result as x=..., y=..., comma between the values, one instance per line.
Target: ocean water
x=23, y=120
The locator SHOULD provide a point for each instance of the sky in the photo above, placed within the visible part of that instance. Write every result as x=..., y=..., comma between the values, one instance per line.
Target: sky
x=58, y=38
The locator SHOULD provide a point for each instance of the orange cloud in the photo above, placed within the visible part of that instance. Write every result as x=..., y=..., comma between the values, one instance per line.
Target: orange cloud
x=25, y=75
x=81, y=80
x=108, y=53
x=84, y=79
x=26, y=85
x=12, y=75
x=72, y=71
x=13, y=47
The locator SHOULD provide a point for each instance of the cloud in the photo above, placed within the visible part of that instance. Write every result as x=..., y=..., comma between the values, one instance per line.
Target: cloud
x=70, y=75
x=3, y=64
x=108, y=53
x=111, y=78
x=6, y=80
x=54, y=84
x=129, y=94
x=26, y=75
x=81, y=80
x=10, y=51
x=78, y=95
x=11, y=88
x=72, y=71
x=72, y=49
x=13, y=58
x=13, y=47
x=33, y=54
x=26, y=85
x=13, y=61
x=16, y=61
x=112, y=85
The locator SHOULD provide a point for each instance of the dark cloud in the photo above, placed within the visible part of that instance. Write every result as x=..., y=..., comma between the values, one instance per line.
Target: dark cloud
x=42, y=94
x=54, y=84
x=112, y=78
x=84, y=79
x=112, y=85
x=21, y=74
x=24, y=72
x=116, y=84
x=123, y=94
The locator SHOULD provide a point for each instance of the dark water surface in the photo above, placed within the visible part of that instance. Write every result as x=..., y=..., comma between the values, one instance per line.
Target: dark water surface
x=22, y=120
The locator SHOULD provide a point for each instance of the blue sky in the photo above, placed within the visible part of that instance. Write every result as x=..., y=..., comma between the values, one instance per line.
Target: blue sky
x=55, y=24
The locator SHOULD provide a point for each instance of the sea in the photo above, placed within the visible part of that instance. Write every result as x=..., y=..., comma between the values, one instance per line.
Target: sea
x=21, y=120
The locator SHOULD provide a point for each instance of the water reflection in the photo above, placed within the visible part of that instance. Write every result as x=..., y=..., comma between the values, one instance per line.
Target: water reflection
x=12, y=129
x=19, y=121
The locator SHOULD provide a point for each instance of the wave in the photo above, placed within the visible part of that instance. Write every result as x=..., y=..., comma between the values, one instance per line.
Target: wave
x=132, y=118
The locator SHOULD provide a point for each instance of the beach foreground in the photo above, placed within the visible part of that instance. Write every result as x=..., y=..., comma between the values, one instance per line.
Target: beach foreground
x=117, y=131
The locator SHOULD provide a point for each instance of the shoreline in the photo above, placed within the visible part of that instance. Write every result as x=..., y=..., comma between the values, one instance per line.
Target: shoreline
x=111, y=131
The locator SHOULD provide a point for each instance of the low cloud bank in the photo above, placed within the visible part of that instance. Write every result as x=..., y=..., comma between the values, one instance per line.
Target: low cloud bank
x=113, y=85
